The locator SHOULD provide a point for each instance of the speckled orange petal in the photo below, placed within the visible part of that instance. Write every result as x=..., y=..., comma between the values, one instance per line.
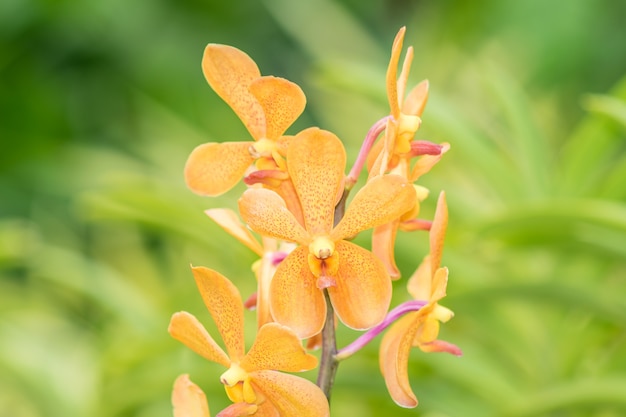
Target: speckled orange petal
x=404, y=75
x=295, y=300
x=214, y=168
x=185, y=328
x=290, y=394
x=281, y=100
x=316, y=161
x=383, y=244
x=437, y=232
x=188, y=399
x=416, y=100
x=363, y=292
x=230, y=72
x=419, y=285
x=277, y=347
x=230, y=222
x=223, y=301
x=392, y=74
x=380, y=201
x=394, y=359
x=426, y=162
x=266, y=213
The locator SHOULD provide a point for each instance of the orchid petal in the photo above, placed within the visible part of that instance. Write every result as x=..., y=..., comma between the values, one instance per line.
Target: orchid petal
x=214, y=168
x=428, y=331
x=223, y=301
x=363, y=292
x=266, y=213
x=382, y=151
x=394, y=359
x=277, y=347
x=416, y=100
x=439, y=283
x=316, y=162
x=295, y=300
x=438, y=232
x=392, y=73
x=404, y=75
x=188, y=399
x=291, y=395
x=419, y=285
x=230, y=72
x=230, y=222
x=380, y=201
x=282, y=102
x=383, y=244
x=185, y=328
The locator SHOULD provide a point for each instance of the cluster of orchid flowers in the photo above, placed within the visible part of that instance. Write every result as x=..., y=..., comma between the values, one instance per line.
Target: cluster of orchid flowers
x=309, y=273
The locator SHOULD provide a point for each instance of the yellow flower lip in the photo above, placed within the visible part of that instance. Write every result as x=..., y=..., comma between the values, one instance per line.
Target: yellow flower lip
x=233, y=375
x=262, y=148
x=322, y=247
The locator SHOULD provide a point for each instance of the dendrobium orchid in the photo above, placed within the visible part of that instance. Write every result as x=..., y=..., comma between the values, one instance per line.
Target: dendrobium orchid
x=419, y=328
x=266, y=105
x=357, y=283
x=253, y=381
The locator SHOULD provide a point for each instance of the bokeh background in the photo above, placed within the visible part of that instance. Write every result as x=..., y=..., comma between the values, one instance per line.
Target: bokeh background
x=102, y=101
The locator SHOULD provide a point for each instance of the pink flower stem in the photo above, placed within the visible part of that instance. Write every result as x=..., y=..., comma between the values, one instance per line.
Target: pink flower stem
x=369, y=140
x=365, y=338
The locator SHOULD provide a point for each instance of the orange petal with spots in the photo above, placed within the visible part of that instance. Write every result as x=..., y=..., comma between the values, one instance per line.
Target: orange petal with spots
x=363, y=292
x=185, y=328
x=382, y=200
x=437, y=232
x=394, y=359
x=316, y=162
x=295, y=300
x=266, y=213
x=383, y=246
x=282, y=102
x=392, y=74
x=291, y=395
x=277, y=347
x=188, y=399
x=223, y=301
x=230, y=222
x=214, y=168
x=230, y=72
x=416, y=100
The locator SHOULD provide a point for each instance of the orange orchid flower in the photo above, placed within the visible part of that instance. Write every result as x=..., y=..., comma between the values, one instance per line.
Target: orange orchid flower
x=253, y=381
x=419, y=328
x=266, y=105
x=357, y=283
x=188, y=399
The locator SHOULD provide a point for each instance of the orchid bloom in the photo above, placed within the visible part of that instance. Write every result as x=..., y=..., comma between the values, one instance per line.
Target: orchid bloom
x=188, y=399
x=419, y=328
x=394, y=152
x=266, y=105
x=253, y=381
x=357, y=283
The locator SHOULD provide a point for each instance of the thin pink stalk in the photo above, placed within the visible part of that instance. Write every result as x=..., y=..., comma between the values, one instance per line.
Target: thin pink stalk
x=369, y=140
x=365, y=338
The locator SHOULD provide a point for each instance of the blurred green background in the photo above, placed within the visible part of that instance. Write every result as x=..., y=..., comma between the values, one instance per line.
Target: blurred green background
x=102, y=101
